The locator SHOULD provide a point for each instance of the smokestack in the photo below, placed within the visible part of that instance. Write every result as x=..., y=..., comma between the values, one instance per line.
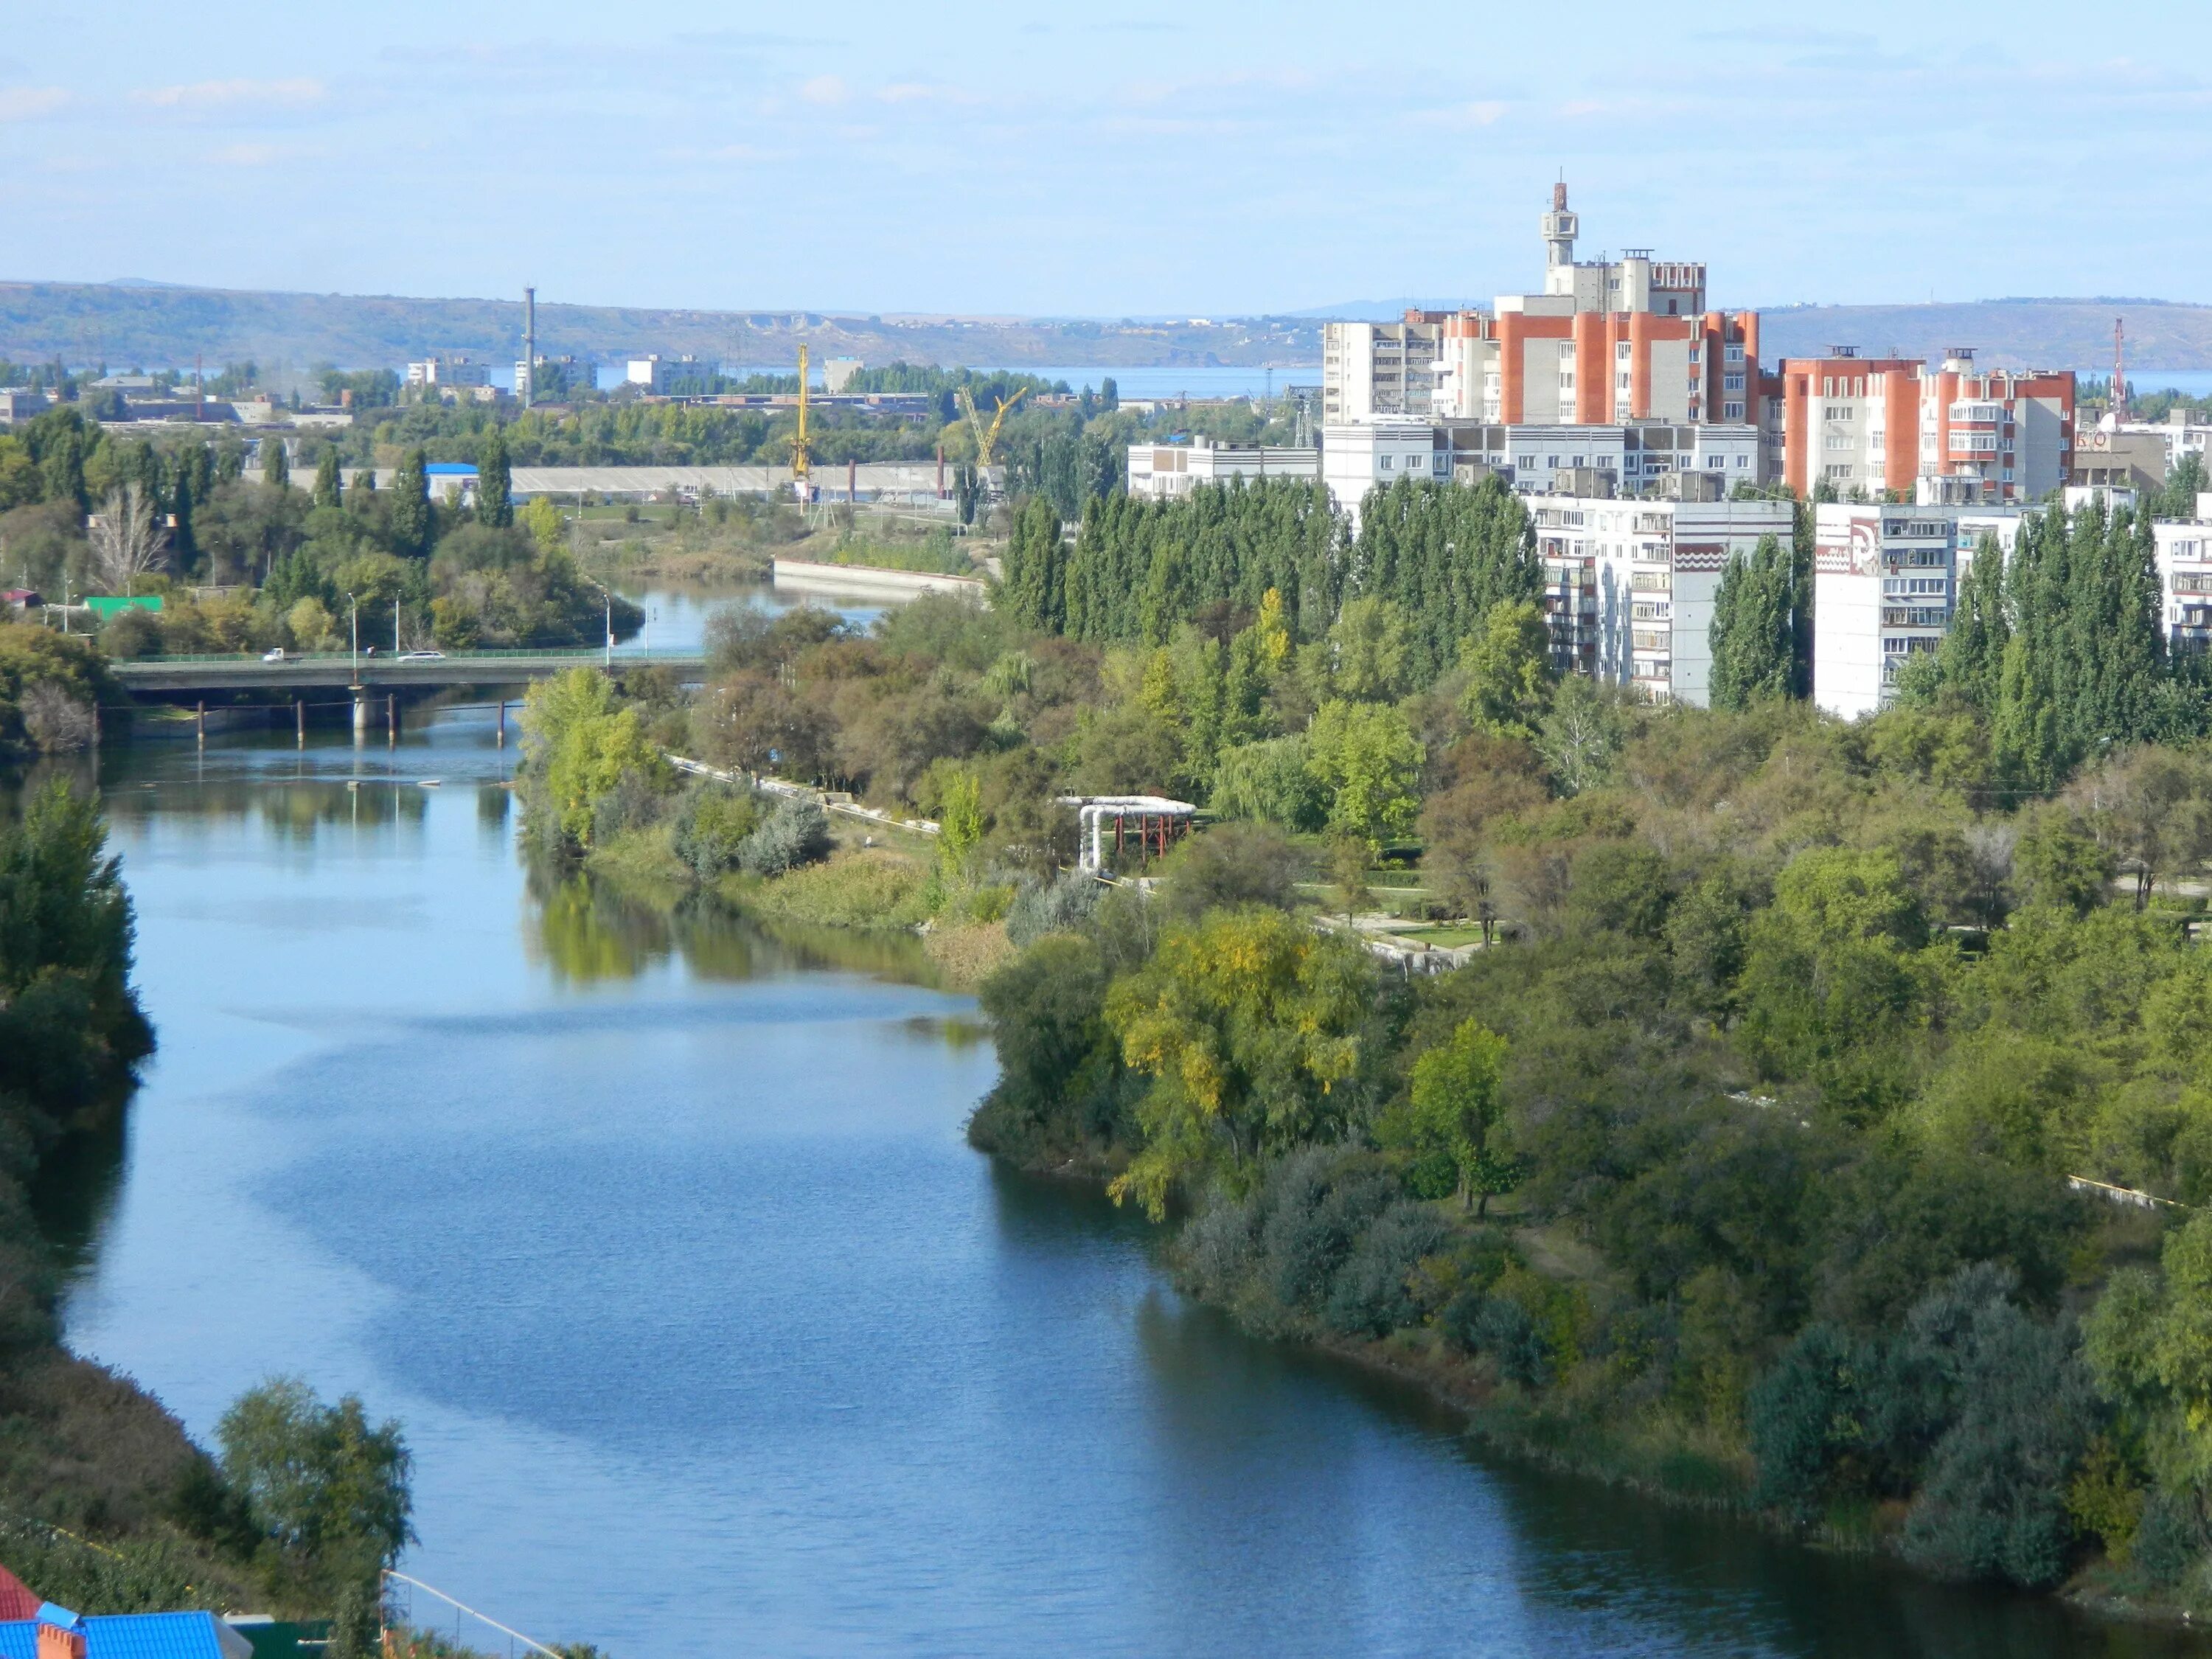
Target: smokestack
x=529, y=346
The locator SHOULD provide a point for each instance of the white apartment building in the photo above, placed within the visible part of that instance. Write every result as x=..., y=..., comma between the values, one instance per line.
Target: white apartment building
x=1374, y=369
x=1607, y=342
x=1164, y=471
x=657, y=373
x=2185, y=580
x=1885, y=582
x=1629, y=585
x=448, y=372
x=1534, y=460
x=1356, y=457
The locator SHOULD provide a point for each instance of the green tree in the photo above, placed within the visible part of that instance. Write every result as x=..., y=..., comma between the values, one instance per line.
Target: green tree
x=1453, y=1112
x=1366, y=755
x=1447, y=555
x=1754, y=640
x=1508, y=675
x=1371, y=643
x=1034, y=589
x=276, y=463
x=1971, y=656
x=327, y=478
x=1244, y=1022
x=328, y=1489
x=494, y=481
x=576, y=748
x=413, y=522
x=960, y=820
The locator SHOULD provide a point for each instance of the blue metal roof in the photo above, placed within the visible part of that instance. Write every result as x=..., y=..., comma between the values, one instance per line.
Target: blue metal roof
x=449, y=469
x=125, y=1636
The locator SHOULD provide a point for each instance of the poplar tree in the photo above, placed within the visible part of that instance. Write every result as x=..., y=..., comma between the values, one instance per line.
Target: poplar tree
x=327, y=479
x=1034, y=590
x=413, y=522
x=1753, y=632
x=1971, y=657
x=495, y=482
x=276, y=465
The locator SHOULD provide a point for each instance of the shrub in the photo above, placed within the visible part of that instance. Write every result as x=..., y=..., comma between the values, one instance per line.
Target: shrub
x=1057, y=906
x=795, y=832
x=1371, y=1295
x=1317, y=1202
x=712, y=823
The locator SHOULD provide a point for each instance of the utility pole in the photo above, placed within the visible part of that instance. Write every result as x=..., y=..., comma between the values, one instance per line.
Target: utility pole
x=395, y=628
x=529, y=346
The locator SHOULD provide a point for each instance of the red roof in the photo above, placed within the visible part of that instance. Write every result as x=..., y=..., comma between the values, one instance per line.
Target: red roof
x=16, y=1599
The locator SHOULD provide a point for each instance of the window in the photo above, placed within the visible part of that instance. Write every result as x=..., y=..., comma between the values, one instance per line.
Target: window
x=1621, y=350
x=1527, y=460
x=1731, y=382
x=1732, y=411
x=1385, y=462
x=1743, y=460
x=1842, y=469
x=1552, y=461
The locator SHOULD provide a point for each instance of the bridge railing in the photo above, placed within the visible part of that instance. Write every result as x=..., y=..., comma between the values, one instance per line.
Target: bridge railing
x=312, y=659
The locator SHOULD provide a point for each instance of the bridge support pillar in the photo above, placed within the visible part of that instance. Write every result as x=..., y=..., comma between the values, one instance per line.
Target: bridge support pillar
x=199, y=723
x=359, y=710
x=502, y=722
x=299, y=718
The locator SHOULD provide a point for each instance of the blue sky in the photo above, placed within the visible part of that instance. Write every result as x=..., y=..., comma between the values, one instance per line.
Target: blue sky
x=1135, y=158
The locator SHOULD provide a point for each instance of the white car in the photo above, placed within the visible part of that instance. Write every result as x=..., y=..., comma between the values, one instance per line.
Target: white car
x=278, y=655
x=421, y=656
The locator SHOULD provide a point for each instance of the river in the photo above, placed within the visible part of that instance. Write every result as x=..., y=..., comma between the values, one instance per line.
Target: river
x=712, y=1336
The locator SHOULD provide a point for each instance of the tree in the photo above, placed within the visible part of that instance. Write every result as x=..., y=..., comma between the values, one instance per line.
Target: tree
x=960, y=819
x=576, y=747
x=1971, y=656
x=1244, y=1022
x=1453, y=1110
x=414, y=522
x=126, y=543
x=495, y=496
x=276, y=463
x=327, y=478
x=1752, y=637
x=1366, y=755
x=1034, y=589
x=1448, y=555
x=542, y=519
x=1371, y=644
x=1348, y=876
x=328, y=1489
x=1229, y=864
x=1508, y=666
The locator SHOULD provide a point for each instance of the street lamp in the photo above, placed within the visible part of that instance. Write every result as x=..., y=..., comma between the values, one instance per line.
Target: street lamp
x=355, y=607
x=610, y=598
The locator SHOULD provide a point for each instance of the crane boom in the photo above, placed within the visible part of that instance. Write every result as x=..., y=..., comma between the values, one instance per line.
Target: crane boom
x=801, y=461
x=987, y=439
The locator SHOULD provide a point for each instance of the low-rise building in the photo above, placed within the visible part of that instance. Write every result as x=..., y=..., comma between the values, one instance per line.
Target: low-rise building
x=1638, y=457
x=2123, y=457
x=661, y=374
x=1164, y=471
x=1885, y=583
x=20, y=404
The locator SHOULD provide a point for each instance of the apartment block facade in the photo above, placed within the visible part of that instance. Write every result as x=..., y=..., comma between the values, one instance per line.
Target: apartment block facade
x=1165, y=471
x=1885, y=584
x=1885, y=424
x=1629, y=585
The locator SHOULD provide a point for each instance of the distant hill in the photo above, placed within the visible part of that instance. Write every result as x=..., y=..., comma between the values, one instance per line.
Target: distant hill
x=143, y=325
x=2008, y=333
x=136, y=323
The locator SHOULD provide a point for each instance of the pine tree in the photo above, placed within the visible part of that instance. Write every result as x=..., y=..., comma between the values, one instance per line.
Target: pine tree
x=1753, y=632
x=494, y=481
x=327, y=479
x=275, y=463
x=413, y=520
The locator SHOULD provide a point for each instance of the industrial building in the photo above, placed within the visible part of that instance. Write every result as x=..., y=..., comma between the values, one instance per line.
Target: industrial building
x=1164, y=471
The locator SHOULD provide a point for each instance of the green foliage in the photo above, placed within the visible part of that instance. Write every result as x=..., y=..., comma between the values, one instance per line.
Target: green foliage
x=1366, y=755
x=276, y=463
x=412, y=521
x=494, y=483
x=1447, y=555
x=1271, y=781
x=1508, y=668
x=1034, y=590
x=1753, y=638
x=328, y=479
x=1452, y=1110
x=330, y=1490
x=576, y=747
x=1243, y=1021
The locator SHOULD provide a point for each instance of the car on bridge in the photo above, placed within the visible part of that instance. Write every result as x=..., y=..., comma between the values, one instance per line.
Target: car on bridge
x=421, y=656
x=276, y=655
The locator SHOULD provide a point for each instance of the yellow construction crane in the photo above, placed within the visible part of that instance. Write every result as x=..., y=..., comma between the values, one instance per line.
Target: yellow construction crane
x=987, y=439
x=800, y=461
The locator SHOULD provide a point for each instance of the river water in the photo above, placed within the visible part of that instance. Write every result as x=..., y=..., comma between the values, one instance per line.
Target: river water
x=712, y=1336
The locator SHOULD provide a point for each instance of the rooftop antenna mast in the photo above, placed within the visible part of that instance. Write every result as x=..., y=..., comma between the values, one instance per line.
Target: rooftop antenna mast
x=529, y=346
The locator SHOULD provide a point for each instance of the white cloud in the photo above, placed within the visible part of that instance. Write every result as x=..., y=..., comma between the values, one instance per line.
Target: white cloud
x=224, y=95
x=29, y=103
x=824, y=89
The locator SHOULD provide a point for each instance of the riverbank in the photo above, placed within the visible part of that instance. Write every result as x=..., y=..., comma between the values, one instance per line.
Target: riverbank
x=1653, y=1453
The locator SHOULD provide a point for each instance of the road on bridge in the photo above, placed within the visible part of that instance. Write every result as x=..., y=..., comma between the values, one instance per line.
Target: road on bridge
x=340, y=668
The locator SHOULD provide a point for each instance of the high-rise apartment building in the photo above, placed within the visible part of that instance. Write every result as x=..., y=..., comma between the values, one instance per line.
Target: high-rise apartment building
x=1894, y=424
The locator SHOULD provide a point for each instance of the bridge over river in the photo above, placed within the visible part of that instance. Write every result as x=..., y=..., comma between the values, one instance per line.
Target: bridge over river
x=319, y=671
